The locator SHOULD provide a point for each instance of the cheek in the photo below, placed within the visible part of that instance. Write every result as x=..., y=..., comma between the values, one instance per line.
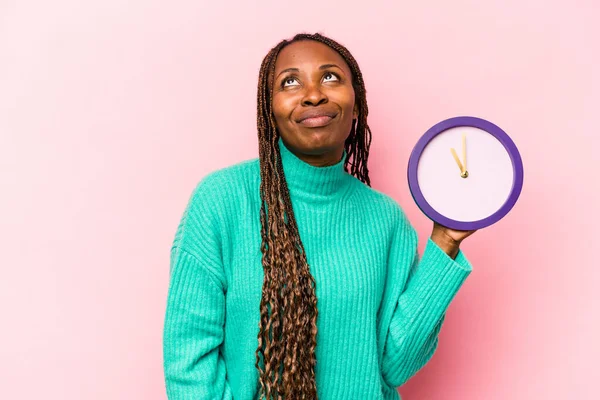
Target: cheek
x=282, y=107
x=346, y=100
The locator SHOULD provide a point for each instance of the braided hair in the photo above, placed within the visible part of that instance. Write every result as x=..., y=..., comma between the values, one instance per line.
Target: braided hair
x=285, y=357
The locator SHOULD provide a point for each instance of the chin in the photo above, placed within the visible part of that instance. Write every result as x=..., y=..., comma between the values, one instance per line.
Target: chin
x=319, y=142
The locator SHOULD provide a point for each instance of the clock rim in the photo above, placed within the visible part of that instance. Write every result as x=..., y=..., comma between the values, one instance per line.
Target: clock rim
x=490, y=128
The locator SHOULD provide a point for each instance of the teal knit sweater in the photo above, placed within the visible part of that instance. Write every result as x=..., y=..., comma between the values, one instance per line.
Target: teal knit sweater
x=381, y=305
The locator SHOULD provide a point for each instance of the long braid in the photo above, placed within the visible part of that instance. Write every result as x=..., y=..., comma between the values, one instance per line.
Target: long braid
x=285, y=357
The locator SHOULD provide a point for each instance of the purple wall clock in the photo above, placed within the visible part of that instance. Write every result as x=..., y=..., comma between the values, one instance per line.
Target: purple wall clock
x=465, y=173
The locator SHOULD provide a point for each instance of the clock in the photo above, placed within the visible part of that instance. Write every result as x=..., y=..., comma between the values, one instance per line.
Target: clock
x=465, y=173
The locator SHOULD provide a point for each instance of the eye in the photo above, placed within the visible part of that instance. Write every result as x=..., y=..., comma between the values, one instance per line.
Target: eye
x=289, y=81
x=330, y=75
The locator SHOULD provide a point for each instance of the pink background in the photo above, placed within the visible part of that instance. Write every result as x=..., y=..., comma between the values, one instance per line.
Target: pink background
x=111, y=111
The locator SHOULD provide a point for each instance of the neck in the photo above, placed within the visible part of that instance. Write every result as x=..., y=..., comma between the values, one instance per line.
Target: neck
x=312, y=183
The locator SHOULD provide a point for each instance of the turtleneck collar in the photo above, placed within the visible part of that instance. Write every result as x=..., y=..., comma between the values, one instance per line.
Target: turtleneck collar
x=313, y=183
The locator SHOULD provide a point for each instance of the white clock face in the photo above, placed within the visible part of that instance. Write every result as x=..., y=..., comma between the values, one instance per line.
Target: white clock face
x=483, y=191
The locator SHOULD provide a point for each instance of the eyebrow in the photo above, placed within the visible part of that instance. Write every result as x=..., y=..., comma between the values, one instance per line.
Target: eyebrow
x=322, y=67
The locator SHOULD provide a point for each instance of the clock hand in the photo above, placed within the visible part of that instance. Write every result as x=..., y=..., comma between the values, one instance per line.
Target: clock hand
x=457, y=160
x=464, y=151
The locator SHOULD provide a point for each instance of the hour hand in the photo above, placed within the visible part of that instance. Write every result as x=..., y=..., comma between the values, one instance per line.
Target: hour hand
x=457, y=160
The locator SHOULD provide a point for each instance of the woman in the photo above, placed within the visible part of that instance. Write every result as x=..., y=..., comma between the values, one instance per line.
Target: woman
x=290, y=276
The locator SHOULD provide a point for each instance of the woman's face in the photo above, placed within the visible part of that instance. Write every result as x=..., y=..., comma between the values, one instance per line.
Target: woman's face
x=313, y=101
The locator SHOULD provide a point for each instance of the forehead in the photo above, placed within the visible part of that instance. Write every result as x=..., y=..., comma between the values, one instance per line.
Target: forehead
x=307, y=54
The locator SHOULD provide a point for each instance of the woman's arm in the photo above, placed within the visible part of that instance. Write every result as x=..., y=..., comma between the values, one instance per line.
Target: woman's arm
x=195, y=313
x=419, y=307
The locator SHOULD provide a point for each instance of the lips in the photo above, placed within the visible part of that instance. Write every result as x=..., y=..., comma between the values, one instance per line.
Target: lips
x=316, y=117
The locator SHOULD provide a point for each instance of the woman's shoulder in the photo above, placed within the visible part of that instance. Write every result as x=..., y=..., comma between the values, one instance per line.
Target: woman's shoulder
x=231, y=174
x=220, y=191
x=382, y=210
x=216, y=196
x=379, y=201
x=227, y=181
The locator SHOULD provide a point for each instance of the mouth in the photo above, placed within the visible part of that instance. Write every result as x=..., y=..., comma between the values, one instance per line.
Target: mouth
x=315, y=122
x=316, y=119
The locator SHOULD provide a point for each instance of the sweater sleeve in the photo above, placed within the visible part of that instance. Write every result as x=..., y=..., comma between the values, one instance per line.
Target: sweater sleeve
x=195, y=314
x=420, y=298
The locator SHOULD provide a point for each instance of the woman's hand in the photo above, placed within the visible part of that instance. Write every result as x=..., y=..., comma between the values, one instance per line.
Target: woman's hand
x=449, y=239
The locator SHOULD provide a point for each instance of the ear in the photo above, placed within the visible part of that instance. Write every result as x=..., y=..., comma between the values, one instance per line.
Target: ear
x=355, y=111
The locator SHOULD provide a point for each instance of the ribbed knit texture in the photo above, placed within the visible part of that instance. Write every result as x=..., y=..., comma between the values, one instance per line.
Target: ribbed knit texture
x=381, y=305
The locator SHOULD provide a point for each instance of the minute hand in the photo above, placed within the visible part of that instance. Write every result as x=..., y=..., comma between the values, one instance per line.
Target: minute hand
x=464, y=152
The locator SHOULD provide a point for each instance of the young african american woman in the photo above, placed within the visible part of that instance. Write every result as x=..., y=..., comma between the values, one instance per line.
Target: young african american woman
x=290, y=277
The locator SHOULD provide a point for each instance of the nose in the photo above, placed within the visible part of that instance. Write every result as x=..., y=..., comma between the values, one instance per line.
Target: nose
x=313, y=96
